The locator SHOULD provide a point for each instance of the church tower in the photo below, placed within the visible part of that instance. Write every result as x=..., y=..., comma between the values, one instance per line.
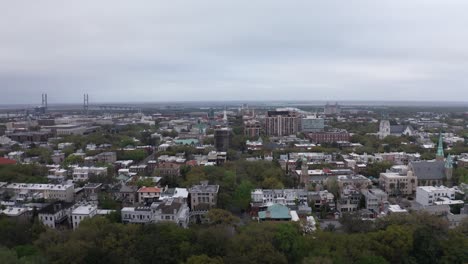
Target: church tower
x=384, y=129
x=440, y=149
x=449, y=170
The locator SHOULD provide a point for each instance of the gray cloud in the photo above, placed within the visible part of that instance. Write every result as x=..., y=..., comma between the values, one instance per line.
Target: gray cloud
x=214, y=50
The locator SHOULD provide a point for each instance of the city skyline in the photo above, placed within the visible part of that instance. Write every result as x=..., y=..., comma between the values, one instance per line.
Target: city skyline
x=210, y=51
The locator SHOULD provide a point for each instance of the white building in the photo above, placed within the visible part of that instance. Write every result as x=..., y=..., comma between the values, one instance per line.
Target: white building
x=279, y=196
x=26, y=191
x=55, y=214
x=395, y=183
x=83, y=173
x=430, y=195
x=83, y=212
x=137, y=215
x=171, y=210
x=375, y=199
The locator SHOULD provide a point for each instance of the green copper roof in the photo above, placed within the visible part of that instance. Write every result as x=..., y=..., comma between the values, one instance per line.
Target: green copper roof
x=275, y=211
x=449, y=162
x=191, y=141
x=440, y=148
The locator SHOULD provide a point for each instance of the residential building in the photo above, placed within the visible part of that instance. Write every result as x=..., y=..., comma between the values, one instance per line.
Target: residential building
x=167, y=169
x=357, y=181
x=288, y=197
x=56, y=214
x=136, y=215
x=203, y=196
x=374, y=199
x=92, y=190
x=28, y=191
x=252, y=128
x=106, y=157
x=58, y=157
x=395, y=183
x=19, y=213
x=127, y=194
x=171, y=210
x=328, y=137
x=322, y=198
x=83, y=212
x=83, y=173
x=147, y=195
x=281, y=123
x=349, y=199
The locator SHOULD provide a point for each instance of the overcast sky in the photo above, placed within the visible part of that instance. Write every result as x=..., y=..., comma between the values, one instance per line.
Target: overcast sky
x=152, y=50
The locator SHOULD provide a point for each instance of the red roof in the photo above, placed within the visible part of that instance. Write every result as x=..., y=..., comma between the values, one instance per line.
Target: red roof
x=191, y=163
x=150, y=189
x=5, y=161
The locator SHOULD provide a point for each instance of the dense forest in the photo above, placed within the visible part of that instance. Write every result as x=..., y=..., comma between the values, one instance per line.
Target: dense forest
x=414, y=238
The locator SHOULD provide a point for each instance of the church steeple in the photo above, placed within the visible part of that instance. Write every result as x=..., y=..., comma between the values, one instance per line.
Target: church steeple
x=440, y=149
x=449, y=162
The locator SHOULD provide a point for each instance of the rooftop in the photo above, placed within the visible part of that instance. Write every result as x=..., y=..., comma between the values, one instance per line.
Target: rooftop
x=275, y=211
x=204, y=188
x=37, y=186
x=149, y=189
x=84, y=209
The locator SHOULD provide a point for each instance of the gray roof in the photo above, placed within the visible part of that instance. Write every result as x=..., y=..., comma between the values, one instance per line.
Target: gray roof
x=428, y=170
x=168, y=207
x=398, y=129
x=128, y=189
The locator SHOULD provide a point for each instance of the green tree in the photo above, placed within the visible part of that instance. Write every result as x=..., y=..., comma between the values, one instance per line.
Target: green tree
x=204, y=259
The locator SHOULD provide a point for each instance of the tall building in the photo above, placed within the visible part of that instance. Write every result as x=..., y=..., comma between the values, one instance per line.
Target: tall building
x=332, y=109
x=252, y=128
x=222, y=138
x=281, y=123
x=312, y=124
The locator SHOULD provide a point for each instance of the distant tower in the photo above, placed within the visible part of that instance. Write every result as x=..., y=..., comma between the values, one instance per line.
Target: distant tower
x=44, y=101
x=225, y=118
x=384, y=129
x=304, y=173
x=449, y=170
x=85, y=104
x=440, y=149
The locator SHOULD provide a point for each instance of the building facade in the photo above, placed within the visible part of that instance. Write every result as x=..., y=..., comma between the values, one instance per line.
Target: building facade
x=328, y=137
x=222, y=138
x=203, y=196
x=312, y=124
x=281, y=123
